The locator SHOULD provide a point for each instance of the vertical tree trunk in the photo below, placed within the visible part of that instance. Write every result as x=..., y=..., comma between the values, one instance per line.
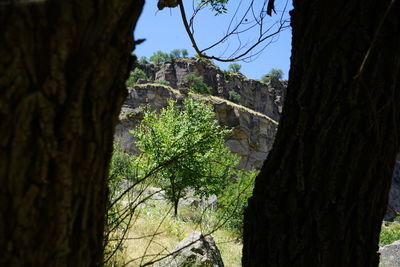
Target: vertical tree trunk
x=321, y=195
x=176, y=204
x=63, y=65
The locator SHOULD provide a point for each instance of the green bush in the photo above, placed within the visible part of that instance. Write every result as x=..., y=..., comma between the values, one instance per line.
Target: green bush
x=189, y=145
x=134, y=76
x=175, y=53
x=235, y=67
x=163, y=82
x=160, y=57
x=203, y=59
x=184, y=52
x=389, y=233
x=233, y=96
x=196, y=84
x=233, y=201
x=276, y=73
x=122, y=169
x=143, y=60
x=273, y=73
x=227, y=75
x=266, y=78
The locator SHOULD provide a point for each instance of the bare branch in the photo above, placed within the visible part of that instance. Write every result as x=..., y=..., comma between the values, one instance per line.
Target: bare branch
x=271, y=7
x=245, y=51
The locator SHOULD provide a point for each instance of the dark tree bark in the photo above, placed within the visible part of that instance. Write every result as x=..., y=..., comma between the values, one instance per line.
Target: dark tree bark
x=63, y=66
x=321, y=195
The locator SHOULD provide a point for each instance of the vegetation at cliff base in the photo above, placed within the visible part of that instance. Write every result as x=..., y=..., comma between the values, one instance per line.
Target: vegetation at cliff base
x=191, y=142
x=182, y=154
x=390, y=232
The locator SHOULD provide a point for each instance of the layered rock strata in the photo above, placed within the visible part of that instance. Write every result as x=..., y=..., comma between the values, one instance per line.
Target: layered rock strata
x=252, y=132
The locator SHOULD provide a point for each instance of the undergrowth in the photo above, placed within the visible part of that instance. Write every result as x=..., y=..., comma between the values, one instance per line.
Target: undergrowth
x=155, y=232
x=390, y=232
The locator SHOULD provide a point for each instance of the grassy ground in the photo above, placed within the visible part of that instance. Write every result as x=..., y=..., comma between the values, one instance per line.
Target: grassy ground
x=156, y=232
x=390, y=232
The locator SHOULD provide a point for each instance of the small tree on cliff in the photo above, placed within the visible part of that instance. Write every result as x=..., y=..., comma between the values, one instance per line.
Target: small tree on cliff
x=189, y=143
x=235, y=67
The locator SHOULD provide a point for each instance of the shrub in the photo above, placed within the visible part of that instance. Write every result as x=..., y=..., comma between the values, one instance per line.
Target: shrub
x=163, y=82
x=389, y=233
x=276, y=73
x=196, y=84
x=227, y=75
x=233, y=96
x=121, y=169
x=134, y=76
x=160, y=57
x=233, y=200
x=266, y=78
x=235, y=67
x=189, y=145
x=184, y=52
x=143, y=60
x=175, y=53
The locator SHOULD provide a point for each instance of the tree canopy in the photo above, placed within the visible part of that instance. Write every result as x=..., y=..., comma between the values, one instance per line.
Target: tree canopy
x=188, y=142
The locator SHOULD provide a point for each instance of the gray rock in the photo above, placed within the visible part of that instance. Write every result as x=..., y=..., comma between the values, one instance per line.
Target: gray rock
x=252, y=136
x=394, y=193
x=195, y=250
x=390, y=255
x=142, y=81
x=258, y=96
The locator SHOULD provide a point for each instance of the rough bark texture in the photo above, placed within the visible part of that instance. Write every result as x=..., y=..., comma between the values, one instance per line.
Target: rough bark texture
x=322, y=193
x=63, y=65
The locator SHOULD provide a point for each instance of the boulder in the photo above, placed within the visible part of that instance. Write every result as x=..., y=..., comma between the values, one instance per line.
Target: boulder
x=195, y=250
x=390, y=255
x=394, y=194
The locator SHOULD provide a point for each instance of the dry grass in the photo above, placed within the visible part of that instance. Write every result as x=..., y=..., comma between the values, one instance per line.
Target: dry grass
x=216, y=99
x=156, y=232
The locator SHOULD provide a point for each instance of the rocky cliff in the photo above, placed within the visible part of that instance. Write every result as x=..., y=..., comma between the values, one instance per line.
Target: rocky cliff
x=393, y=209
x=253, y=119
x=253, y=132
x=255, y=95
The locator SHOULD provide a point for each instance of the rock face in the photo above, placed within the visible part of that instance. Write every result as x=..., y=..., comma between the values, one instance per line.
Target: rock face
x=264, y=98
x=390, y=255
x=195, y=250
x=394, y=193
x=252, y=136
x=253, y=119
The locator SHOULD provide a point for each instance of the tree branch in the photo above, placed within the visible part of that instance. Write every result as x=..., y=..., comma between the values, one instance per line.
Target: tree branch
x=258, y=21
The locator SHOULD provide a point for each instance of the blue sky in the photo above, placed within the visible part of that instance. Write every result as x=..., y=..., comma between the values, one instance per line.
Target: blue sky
x=164, y=30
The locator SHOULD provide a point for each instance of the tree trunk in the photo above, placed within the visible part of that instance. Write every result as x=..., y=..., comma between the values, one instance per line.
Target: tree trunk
x=176, y=204
x=321, y=195
x=63, y=66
